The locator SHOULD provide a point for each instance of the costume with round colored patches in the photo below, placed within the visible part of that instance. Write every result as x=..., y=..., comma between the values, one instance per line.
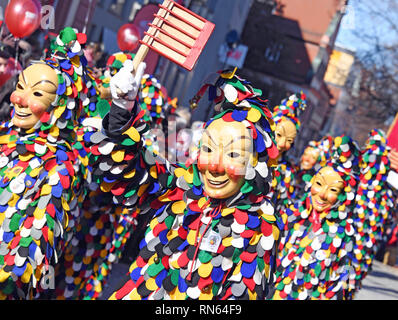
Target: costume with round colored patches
x=283, y=182
x=104, y=228
x=171, y=262
x=374, y=203
x=315, y=252
x=41, y=181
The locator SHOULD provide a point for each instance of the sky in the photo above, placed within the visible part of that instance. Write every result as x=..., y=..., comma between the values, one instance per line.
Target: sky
x=368, y=17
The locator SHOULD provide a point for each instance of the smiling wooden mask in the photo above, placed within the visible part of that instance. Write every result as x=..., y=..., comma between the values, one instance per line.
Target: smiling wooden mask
x=326, y=187
x=34, y=93
x=309, y=158
x=226, y=149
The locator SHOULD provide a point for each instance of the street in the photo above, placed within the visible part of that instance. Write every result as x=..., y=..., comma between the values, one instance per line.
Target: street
x=380, y=284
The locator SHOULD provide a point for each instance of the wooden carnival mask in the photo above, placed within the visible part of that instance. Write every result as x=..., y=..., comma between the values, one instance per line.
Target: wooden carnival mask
x=226, y=149
x=285, y=134
x=326, y=187
x=34, y=93
x=309, y=158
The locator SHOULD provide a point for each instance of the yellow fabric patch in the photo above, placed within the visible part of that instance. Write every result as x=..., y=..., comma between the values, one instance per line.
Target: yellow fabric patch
x=118, y=156
x=178, y=207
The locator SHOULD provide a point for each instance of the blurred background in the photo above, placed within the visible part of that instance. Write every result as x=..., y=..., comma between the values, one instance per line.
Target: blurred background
x=341, y=54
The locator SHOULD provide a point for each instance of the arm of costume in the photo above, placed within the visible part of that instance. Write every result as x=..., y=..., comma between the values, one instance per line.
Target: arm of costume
x=123, y=166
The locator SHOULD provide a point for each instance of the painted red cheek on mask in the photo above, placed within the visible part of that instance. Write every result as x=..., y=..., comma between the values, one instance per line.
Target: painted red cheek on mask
x=332, y=199
x=36, y=107
x=315, y=190
x=235, y=172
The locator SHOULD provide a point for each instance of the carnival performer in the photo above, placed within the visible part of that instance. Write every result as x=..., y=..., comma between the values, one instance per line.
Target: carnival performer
x=104, y=229
x=314, y=252
x=208, y=239
x=373, y=209
x=41, y=182
x=313, y=158
x=286, y=117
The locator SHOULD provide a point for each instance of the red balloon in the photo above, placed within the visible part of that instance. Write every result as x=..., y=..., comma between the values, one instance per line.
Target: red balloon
x=128, y=37
x=22, y=17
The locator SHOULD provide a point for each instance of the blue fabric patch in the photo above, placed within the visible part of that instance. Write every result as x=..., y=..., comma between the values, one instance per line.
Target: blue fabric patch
x=253, y=222
x=248, y=269
x=18, y=271
x=56, y=190
x=239, y=115
x=160, y=277
x=217, y=274
x=182, y=285
x=135, y=274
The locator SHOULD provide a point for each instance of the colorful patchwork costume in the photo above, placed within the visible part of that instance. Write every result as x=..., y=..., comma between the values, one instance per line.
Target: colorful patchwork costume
x=315, y=252
x=196, y=247
x=283, y=182
x=41, y=182
x=374, y=203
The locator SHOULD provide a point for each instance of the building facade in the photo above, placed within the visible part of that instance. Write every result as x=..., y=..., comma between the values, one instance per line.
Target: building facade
x=289, y=51
x=340, y=69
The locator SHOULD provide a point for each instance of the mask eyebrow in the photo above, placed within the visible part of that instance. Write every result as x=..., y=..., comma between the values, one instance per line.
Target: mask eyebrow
x=23, y=77
x=44, y=81
x=334, y=182
x=337, y=182
x=210, y=137
x=236, y=139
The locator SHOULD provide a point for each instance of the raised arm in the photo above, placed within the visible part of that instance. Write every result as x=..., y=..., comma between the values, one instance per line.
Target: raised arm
x=121, y=164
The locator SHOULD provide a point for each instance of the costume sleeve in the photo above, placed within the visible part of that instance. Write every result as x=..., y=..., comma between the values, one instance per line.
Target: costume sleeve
x=121, y=164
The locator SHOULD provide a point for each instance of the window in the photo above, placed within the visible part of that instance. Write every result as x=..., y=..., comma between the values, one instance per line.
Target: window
x=117, y=6
x=273, y=52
